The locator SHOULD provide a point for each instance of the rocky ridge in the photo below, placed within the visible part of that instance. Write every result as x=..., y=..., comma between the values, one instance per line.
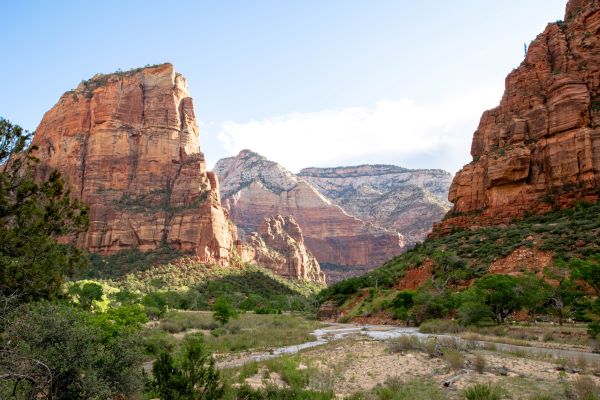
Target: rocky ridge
x=407, y=201
x=128, y=145
x=540, y=148
x=279, y=246
x=253, y=188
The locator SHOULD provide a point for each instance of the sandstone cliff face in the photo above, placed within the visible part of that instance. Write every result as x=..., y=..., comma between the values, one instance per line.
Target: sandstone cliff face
x=127, y=144
x=540, y=148
x=279, y=246
x=407, y=201
x=253, y=188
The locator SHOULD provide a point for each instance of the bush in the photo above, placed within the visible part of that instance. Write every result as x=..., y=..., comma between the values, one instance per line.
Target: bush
x=473, y=313
x=223, y=311
x=586, y=388
x=404, y=343
x=441, y=326
x=193, y=377
x=454, y=358
x=483, y=392
x=157, y=341
x=479, y=363
x=81, y=357
x=245, y=392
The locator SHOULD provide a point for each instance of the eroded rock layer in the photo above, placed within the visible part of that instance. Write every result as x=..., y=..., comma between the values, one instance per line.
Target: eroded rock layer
x=127, y=143
x=407, y=201
x=253, y=188
x=540, y=148
x=279, y=246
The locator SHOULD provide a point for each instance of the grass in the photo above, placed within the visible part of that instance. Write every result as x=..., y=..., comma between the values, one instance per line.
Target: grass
x=483, y=392
x=396, y=389
x=454, y=358
x=248, y=332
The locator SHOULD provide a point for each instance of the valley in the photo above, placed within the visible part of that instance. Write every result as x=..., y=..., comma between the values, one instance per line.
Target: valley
x=131, y=270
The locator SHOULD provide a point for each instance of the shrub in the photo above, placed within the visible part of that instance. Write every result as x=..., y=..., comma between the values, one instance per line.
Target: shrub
x=223, y=311
x=245, y=392
x=586, y=388
x=193, y=377
x=81, y=358
x=479, y=363
x=441, y=326
x=473, y=313
x=403, y=343
x=455, y=359
x=483, y=392
x=156, y=341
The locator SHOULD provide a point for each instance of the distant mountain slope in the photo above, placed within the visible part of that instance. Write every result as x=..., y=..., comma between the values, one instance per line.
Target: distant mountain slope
x=352, y=218
x=408, y=201
x=253, y=188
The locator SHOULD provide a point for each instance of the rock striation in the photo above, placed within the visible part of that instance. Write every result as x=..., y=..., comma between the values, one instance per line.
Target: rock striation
x=407, y=201
x=540, y=148
x=128, y=145
x=279, y=246
x=254, y=188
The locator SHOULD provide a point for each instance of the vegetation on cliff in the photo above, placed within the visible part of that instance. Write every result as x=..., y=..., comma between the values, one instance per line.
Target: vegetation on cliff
x=543, y=264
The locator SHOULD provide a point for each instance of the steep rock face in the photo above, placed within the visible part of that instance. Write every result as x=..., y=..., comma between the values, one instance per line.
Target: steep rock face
x=407, y=201
x=279, y=246
x=127, y=144
x=540, y=148
x=253, y=188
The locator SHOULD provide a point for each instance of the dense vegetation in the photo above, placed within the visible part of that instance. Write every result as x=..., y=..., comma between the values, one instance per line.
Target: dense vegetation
x=460, y=286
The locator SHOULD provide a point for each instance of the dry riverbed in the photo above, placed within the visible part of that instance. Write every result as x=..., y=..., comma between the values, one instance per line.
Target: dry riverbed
x=356, y=365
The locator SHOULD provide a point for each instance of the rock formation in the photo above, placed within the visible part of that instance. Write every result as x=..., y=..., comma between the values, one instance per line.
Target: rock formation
x=253, y=188
x=127, y=143
x=407, y=201
x=279, y=246
x=540, y=148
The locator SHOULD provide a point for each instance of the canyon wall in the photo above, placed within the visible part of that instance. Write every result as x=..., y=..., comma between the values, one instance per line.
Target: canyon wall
x=279, y=246
x=540, y=148
x=128, y=146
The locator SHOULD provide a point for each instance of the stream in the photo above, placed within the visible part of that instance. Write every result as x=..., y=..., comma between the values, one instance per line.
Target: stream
x=337, y=331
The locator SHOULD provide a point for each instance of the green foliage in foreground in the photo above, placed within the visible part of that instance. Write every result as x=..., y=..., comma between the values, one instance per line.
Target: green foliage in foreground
x=483, y=392
x=245, y=392
x=68, y=353
x=33, y=212
x=192, y=377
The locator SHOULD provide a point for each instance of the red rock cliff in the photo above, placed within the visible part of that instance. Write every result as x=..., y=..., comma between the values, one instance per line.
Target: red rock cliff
x=127, y=143
x=279, y=246
x=540, y=148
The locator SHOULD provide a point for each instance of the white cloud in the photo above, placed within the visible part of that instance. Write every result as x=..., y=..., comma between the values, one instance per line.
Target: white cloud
x=403, y=131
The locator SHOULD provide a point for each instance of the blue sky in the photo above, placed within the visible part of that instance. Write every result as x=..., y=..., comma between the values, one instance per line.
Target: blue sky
x=306, y=83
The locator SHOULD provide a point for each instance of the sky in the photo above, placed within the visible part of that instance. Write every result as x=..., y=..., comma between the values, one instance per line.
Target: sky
x=303, y=82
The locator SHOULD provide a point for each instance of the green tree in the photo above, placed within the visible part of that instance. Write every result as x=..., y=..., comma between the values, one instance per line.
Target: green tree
x=223, y=311
x=502, y=294
x=534, y=293
x=87, y=293
x=589, y=271
x=194, y=377
x=33, y=213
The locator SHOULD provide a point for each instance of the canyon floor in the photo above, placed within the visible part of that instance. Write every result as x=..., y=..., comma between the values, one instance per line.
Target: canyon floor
x=346, y=361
